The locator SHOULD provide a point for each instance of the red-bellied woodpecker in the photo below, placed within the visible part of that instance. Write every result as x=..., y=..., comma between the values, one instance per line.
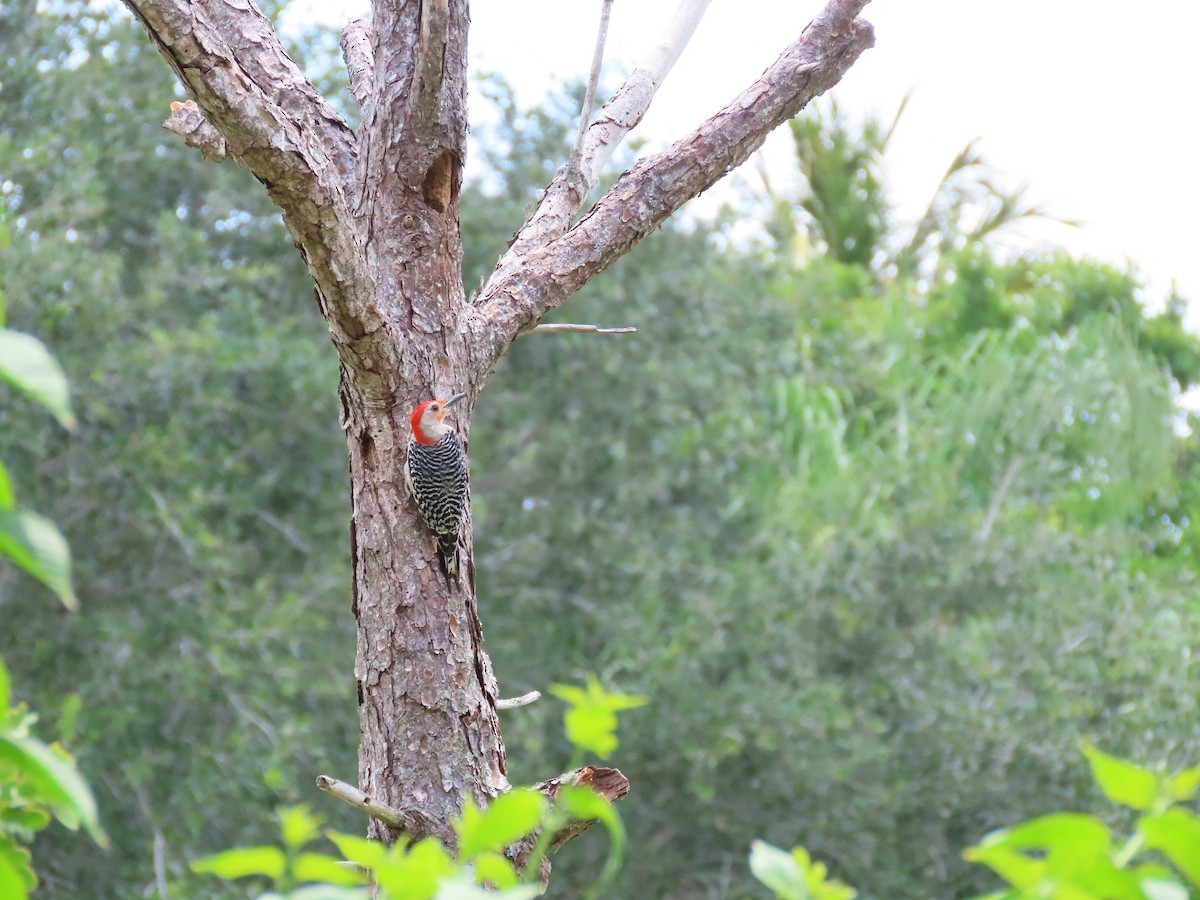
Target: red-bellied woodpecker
x=436, y=475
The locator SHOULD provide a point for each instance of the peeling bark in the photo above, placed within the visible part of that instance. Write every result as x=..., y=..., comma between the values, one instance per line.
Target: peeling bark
x=375, y=217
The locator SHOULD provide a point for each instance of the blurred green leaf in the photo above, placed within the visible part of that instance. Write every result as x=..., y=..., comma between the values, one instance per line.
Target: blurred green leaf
x=507, y=818
x=17, y=876
x=1184, y=784
x=28, y=365
x=1017, y=869
x=298, y=825
x=5, y=693
x=465, y=889
x=27, y=820
x=1123, y=782
x=319, y=867
x=363, y=851
x=1163, y=889
x=794, y=875
x=7, y=501
x=321, y=892
x=591, y=721
x=495, y=868
x=584, y=803
x=415, y=874
x=54, y=781
x=1072, y=834
x=778, y=870
x=1176, y=834
x=35, y=544
x=243, y=862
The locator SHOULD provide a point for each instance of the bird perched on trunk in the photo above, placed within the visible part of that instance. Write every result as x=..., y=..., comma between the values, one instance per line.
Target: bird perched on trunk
x=436, y=475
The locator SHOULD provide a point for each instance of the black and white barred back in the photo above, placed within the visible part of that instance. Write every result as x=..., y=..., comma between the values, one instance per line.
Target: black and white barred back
x=437, y=477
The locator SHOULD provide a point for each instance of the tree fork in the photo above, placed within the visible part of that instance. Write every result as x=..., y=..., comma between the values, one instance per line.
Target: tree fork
x=375, y=217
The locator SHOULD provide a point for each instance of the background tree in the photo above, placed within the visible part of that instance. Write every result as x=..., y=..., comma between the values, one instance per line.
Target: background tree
x=374, y=214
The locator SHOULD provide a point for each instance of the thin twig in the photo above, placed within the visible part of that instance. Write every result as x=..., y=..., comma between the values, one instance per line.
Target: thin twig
x=516, y=702
x=589, y=97
x=564, y=196
x=565, y=328
x=998, y=497
x=414, y=823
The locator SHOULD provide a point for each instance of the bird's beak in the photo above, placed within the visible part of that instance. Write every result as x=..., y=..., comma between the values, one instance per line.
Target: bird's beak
x=449, y=403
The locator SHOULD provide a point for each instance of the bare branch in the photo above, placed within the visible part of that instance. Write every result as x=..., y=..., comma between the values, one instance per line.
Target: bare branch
x=565, y=328
x=189, y=123
x=412, y=822
x=564, y=196
x=589, y=95
x=360, y=59
x=517, y=702
x=521, y=291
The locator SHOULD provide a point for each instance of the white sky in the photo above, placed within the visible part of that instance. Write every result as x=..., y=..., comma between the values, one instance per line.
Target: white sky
x=1092, y=103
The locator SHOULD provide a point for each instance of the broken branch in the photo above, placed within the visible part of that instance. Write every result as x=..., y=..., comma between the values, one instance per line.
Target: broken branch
x=517, y=702
x=189, y=123
x=360, y=60
x=415, y=823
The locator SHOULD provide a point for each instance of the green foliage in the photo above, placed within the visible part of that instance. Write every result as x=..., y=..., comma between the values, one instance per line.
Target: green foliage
x=26, y=364
x=479, y=867
x=591, y=717
x=793, y=876
x=37, y=780
x=1074, y=855
x=294, y=871
x=35, y=544
x=32, y=541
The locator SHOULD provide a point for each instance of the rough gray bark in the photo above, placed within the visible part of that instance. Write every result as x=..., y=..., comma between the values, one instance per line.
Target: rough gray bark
x=375, y=217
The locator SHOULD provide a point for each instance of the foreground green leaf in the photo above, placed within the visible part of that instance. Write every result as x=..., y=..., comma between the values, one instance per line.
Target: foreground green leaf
x=778, y=870
x=326, y=869
x=507, y=818
x=55, y=782
x=415, y=875
x=1176, y=835
x=7, y=500
x=242, y=862
x=17, y=877
x=35, y=544
x=28, y=365
x=1121, y=781
x=5, y=696
x=363, y=851
x=298, y=826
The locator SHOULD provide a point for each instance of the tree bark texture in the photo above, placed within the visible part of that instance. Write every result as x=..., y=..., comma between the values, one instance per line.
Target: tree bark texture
x=375, y=217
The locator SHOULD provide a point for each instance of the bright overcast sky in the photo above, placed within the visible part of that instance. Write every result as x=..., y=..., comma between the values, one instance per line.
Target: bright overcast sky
x=1085, y=101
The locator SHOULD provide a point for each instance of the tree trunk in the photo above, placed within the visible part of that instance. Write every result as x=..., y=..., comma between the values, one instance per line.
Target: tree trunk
x=375, y=216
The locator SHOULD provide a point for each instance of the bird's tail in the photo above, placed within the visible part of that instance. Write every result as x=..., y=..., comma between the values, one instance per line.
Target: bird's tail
x=448, y=558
